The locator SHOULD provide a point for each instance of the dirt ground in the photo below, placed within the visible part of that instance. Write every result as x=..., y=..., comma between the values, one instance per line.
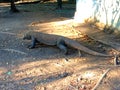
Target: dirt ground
x=45, y=67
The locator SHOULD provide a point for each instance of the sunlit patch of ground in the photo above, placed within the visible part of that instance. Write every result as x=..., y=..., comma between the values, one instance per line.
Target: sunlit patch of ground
x=74, y=73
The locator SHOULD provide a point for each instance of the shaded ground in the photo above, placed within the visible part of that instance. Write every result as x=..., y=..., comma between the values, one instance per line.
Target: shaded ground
x=46, y=68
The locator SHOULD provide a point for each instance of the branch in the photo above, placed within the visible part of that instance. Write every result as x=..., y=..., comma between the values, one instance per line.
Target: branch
x=100, y=80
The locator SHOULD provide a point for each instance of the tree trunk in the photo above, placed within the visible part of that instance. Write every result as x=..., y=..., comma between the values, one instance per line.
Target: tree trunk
x=13, y=7
x=59, y=4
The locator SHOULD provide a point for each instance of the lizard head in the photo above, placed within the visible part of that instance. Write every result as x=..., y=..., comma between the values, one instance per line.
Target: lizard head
x=27, y=37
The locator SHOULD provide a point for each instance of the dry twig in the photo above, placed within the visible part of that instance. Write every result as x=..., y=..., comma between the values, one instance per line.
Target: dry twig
x=100, y=80
x=13, y=50
x=8, y=33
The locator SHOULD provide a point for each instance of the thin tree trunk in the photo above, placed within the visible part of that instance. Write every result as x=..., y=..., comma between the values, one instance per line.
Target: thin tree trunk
x=59, y=4
x=13, y=7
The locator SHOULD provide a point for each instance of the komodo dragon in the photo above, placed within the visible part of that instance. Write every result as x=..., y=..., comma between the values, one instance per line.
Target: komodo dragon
x=60, y=41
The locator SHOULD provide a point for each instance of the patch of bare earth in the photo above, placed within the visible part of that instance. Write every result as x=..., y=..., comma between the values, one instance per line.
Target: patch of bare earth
x=46, y=68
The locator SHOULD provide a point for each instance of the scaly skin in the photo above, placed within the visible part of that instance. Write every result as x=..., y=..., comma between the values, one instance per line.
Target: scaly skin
x=59, y=41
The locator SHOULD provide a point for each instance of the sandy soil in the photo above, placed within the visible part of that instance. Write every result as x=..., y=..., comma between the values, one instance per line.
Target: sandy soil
x=46, y=68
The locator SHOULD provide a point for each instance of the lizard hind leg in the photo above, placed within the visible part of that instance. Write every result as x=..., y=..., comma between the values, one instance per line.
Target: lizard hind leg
x=61, y=45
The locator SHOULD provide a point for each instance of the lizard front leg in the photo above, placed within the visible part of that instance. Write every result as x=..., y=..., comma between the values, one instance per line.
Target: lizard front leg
x=61, y=45
x=33, y=43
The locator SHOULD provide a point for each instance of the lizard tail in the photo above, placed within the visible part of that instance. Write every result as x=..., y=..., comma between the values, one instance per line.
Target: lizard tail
x=78, y=46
